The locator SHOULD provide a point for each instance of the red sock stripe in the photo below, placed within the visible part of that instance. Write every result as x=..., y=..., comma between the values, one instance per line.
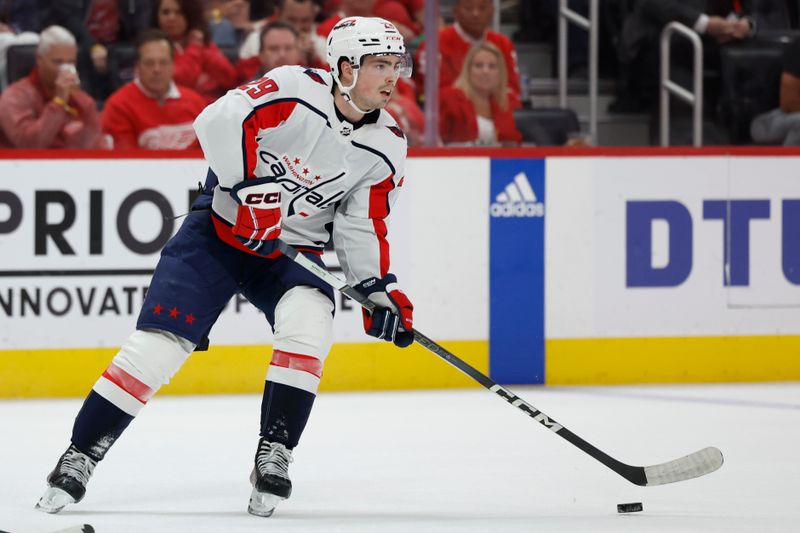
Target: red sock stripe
x=296, y=361
x=128, y=383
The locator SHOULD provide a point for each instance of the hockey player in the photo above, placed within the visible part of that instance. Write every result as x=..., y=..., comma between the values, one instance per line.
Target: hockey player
x=302, y=154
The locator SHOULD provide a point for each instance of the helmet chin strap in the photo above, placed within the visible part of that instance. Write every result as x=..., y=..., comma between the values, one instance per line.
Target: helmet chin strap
x=346, y=92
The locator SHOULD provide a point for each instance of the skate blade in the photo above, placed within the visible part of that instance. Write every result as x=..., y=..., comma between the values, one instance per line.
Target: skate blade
x=53, y=500
x=263, y=503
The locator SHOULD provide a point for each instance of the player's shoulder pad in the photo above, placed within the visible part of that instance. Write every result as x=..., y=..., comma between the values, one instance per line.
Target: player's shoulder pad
x=302, y=83
x=280, y=82
x=388, y=138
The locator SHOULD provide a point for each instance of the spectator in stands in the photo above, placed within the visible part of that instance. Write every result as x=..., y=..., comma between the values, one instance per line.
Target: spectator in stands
x=97, y=24
x=279, y=46
x=47, y=109
x=782, y=125
x=476, y=109
x=473, y=18
x=300, y=15
x=199, y=64
x=19, y=24
x=230, y=23
x=347, y=8
x=718, y=21
x=406, y=15
x=21, y=16
x=152, y=112
x=262, y=9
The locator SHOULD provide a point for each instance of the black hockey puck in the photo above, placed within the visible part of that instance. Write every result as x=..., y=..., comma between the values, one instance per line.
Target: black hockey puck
x=629, y=507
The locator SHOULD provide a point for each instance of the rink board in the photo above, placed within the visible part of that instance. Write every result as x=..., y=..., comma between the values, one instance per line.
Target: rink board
x=593, y=298
x=79, y=240
x=677, y=269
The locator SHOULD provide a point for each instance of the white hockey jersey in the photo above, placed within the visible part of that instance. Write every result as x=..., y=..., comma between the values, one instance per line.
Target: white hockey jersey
x=338, y=179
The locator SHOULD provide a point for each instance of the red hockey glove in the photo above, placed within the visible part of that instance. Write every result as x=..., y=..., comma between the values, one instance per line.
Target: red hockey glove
x=392, y=320
x=258, y=220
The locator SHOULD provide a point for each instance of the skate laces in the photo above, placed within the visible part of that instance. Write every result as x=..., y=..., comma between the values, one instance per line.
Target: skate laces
x=77, y=465
x=273, y=459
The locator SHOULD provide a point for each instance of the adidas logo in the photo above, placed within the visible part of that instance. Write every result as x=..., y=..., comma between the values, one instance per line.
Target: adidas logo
x=517, y=200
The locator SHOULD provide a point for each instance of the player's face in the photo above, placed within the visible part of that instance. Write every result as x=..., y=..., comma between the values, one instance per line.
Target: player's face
x=474, y=16
x=484, y=72
x=279, y=48
x=171, y=19
x=377, y=78
x=154, y=67
x=300, y=15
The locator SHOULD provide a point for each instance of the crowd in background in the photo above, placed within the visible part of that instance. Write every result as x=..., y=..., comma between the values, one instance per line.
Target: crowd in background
x=127, y=74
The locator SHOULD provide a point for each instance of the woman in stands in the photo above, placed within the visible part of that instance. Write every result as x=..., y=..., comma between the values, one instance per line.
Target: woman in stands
x=199, y=63
x=477, y=109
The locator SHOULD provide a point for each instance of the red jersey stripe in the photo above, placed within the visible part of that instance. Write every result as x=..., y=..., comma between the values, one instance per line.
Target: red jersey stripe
x=269, y=115
x=378, y=210
x=379, y=198
x=297, y=361
x=131, y=385
x=383, y=244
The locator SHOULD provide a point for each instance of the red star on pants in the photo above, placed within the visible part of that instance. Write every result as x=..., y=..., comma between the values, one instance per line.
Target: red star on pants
x=157, y=309
x=189, y=318
x=174, y=312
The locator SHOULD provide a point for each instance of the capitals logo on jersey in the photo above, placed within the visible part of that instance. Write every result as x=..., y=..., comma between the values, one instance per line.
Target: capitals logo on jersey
x=301, y=181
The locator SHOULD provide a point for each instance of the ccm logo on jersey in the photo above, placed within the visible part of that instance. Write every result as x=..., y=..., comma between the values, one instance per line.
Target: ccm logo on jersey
x=259, y=198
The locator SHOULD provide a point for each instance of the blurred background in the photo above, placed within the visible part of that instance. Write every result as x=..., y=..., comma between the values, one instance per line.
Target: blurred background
x=557, y=72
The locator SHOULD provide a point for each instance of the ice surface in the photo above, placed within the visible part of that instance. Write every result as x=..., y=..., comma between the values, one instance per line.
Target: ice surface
x=433, y=461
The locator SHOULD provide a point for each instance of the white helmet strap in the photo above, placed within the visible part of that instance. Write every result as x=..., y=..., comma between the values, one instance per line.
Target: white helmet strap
x=346, y=91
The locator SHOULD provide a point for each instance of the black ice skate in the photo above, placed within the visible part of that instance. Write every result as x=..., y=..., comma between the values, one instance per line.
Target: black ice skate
x=270, y=478
x=67, y=481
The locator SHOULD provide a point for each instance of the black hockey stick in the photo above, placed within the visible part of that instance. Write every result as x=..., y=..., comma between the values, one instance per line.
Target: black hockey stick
x=85, y=528
x=694, y=465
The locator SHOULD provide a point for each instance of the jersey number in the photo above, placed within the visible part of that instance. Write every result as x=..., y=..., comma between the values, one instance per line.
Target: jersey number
x=258, y=88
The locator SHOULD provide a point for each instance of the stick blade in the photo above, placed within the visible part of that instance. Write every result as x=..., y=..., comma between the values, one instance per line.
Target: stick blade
x=694, y=465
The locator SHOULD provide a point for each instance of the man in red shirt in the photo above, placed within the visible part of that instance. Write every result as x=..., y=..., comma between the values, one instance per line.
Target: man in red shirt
x=152, y=112
x=280, y=45
x=47, y=108
x=347, y=8
x=473, y=18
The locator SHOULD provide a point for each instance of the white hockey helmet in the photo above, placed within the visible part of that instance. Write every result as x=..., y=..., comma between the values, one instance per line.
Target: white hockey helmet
x=355, y=37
